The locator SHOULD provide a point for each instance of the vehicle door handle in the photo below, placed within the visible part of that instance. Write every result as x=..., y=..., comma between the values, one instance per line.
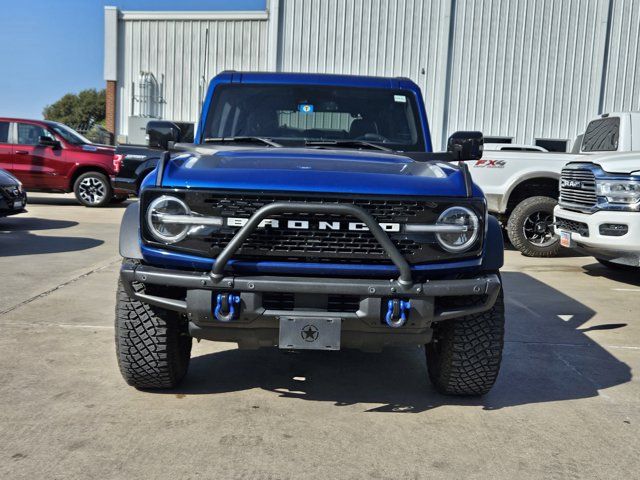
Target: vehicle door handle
x=21, y=152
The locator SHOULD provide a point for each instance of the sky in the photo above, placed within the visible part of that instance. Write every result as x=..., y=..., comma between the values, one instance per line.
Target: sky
x=52, y=47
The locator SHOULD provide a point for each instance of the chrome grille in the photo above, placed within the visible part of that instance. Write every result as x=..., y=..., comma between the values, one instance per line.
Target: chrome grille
x=578, y=188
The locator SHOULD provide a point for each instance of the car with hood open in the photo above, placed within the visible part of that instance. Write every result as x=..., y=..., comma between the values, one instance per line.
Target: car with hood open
x=311, y=213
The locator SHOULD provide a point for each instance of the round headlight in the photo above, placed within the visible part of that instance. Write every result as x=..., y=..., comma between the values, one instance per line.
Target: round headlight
x=162, y=230
x=461, y=240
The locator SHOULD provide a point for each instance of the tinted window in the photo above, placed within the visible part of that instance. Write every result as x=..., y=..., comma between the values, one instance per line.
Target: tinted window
x=602, y=135
x=552, y=145
x=69, y=134
x=519, y=149
x=498, y=139
x=30, y=134
x=293, y=114
x=4, y=132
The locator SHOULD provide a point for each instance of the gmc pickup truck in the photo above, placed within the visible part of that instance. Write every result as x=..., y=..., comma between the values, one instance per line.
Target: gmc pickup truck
x=310, y=213
x=521, y=185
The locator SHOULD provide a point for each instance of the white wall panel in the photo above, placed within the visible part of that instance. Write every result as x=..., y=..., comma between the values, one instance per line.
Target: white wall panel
x=527, y=68
x=370, y=37
x=520, y=68
x=622, y=84
x=174, y=51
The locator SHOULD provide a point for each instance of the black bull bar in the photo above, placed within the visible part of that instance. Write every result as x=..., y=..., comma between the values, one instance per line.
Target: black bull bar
x=487, y=285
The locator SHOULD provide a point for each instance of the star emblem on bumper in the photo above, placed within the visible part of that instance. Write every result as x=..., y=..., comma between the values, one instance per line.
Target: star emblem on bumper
x=310, y=333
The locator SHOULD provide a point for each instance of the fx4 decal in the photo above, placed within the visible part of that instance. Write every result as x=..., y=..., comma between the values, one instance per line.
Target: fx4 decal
x=489, y=163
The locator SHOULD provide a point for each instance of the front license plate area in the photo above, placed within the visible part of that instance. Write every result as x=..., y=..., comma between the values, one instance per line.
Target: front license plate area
x=310, y=333
x=18, y=204
x=565, y=239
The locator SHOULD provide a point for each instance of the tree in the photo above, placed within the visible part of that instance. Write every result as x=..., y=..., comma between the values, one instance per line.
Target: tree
x=78, y=109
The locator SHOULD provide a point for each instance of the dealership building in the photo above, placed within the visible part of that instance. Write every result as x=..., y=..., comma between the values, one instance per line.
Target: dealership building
x=525, y=71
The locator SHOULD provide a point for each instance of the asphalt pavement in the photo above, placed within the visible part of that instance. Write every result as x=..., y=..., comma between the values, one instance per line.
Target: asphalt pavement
x=566, y=404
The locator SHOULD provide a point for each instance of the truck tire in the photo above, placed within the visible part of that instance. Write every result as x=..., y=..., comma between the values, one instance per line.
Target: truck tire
x=529, y=227
x=93, y=189
x=152, y=345
x=617, y=266
x=464, y=355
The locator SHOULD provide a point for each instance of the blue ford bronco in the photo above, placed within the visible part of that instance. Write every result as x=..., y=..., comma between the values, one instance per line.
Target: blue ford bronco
x=310, y=213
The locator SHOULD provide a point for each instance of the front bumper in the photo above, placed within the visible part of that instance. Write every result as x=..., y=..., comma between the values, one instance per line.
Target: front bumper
x=12, y=205
x=119, y=189
x=193, y=294
x=623, y=249
x=125, y=185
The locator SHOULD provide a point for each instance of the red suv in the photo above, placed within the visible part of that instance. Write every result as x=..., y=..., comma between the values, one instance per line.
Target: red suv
x=51, y=157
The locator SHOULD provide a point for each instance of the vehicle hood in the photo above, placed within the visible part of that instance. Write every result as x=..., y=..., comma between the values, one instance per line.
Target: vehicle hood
x=312, y=170
x=7, y=180
x=625, y=163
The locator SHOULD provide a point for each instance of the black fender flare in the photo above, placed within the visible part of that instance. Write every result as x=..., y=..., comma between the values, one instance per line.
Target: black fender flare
x=129, y=241
x=493, y=258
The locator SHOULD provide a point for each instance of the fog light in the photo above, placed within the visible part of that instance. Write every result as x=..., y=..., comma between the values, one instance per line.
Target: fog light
x=613, y=229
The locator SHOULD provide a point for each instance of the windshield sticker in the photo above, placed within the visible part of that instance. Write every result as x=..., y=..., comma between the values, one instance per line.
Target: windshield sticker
x=305, y=108
x=400, y=99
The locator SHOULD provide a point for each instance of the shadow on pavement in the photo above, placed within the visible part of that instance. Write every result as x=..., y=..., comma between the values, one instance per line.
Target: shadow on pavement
x=16, y=238
x=65, y=200
x=546, y=358
x=16, y=224
x=631, y=276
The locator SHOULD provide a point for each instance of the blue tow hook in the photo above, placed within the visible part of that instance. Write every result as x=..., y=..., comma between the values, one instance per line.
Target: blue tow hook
x=226, y=307
x=397, y=312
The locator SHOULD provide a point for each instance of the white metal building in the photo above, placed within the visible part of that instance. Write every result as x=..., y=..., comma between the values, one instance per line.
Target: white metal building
x=523, y=69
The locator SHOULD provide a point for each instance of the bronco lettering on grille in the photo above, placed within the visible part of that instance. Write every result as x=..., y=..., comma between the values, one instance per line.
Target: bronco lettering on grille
x=311, y=225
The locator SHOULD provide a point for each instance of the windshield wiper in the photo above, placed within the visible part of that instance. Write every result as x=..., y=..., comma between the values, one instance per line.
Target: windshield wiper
x=266, y=141
x=346, y=144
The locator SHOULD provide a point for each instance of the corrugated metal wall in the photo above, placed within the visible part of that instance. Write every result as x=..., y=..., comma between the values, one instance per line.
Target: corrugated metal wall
x=174, y=52
x=622, y=86
x=526, y=68
x=370, y=37
x=519, y=68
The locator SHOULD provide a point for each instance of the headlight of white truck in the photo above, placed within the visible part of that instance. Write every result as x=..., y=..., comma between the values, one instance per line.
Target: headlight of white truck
x=619, y=191
x=160, y=219
x=458, y=241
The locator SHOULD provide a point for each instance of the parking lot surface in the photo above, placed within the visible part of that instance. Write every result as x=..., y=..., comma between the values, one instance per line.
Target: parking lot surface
x=566, y=404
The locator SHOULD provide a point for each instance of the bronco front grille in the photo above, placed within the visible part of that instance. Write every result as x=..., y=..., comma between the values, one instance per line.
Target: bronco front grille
x=313, y=244
x=578, y=188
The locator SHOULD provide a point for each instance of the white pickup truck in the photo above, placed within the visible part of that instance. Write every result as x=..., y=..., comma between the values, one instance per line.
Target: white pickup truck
x=599, y=208
x=521, y=182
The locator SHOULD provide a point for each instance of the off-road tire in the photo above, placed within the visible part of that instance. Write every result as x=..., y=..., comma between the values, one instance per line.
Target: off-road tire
x=618, y=266
x=515, y=226
x=152, y=344
x=464, y=355
x=105, y=185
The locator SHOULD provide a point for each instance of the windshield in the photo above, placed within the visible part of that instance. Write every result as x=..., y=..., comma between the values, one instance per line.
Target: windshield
x=69, y=134
x=295, y=114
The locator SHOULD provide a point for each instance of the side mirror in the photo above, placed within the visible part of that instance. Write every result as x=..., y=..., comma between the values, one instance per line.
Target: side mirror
x=45, y=141
x=161, y=132
x=466, y=145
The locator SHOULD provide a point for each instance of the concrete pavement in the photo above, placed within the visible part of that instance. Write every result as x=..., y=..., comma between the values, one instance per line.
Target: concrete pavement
x=566, y=404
